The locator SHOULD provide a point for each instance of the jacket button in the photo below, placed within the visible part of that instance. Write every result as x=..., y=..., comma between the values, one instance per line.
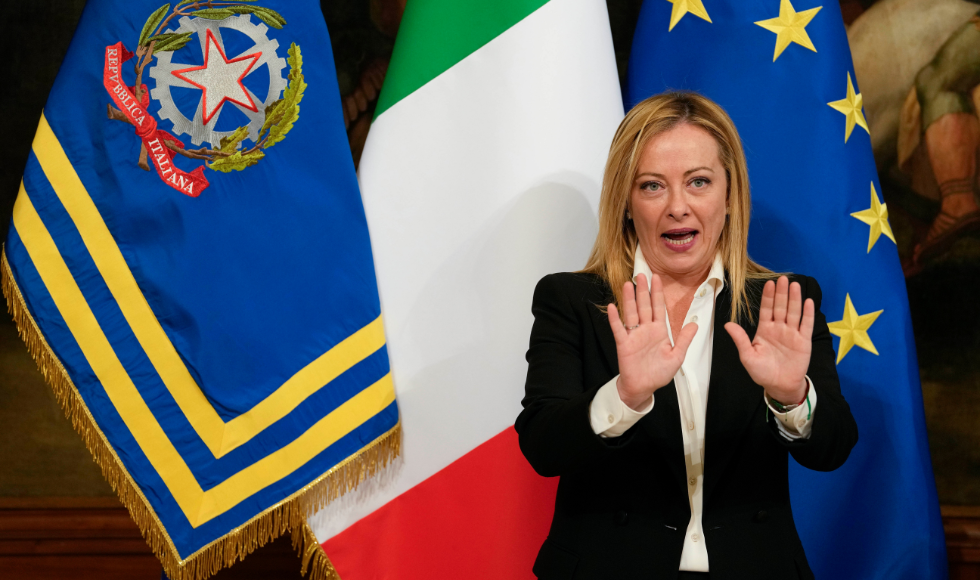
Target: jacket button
x=621, y=518
x=760, y=517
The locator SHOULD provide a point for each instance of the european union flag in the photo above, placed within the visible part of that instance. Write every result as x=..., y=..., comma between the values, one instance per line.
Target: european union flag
x=782, y=69
x=189, y=264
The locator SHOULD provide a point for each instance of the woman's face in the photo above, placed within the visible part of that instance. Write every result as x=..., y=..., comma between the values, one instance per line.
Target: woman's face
x=678, y=201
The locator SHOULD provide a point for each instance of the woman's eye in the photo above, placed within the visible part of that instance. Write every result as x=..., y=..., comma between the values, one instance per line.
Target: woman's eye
x=699, y=182
x=651, y=186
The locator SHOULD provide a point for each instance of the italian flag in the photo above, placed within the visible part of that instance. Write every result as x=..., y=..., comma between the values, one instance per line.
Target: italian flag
x=481, y=174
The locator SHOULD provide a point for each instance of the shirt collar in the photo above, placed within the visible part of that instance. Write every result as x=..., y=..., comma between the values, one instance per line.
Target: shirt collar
x=716, y=275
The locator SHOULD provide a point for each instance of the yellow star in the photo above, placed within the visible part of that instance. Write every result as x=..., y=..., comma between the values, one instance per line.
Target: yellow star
x=853, y=330
x=790, y=27
x=877, y=217
x=851, y=107
x=682, y=7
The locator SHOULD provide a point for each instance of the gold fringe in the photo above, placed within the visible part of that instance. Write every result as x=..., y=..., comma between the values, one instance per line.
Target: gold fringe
x=314, y=558
x=288, y=515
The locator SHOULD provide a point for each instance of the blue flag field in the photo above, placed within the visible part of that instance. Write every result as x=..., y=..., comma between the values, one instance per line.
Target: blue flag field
x=189, y=264
x=783, y=71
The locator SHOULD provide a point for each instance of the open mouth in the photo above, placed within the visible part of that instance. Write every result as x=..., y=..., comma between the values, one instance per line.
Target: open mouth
x=679, y=237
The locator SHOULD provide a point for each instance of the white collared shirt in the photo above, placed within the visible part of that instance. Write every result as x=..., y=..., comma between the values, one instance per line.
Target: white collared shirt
x=610, y=417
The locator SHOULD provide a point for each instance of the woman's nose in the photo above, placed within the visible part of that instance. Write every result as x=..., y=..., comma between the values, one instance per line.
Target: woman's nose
x=677, y=203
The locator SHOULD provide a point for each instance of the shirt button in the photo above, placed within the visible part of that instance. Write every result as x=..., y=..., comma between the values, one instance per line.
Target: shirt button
x=695, y=537
x=702, y=292
x=690, y=426
x=609, y=418
x=694, y=318
x=693, y=481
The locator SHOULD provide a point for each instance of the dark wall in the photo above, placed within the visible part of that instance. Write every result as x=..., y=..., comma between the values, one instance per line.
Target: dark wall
x=34, y=36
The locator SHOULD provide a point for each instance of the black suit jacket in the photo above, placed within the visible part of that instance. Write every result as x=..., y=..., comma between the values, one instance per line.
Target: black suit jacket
x=622, y=507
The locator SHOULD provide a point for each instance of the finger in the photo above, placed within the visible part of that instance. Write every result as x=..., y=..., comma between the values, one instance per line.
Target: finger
x=765, y=307
x=806, y=325
x=795, y=306
x=782, y=297
x=657, y=293
x=619, y=333
x=630, y=318
x=742, y=342
x=643, y=299
x=684, y=340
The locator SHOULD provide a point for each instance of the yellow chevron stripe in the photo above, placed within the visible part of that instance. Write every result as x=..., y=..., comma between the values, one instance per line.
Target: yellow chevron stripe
x=218, y=436
x=307, y=381
x=102, y=358
x=321, y=435
x=197, y=505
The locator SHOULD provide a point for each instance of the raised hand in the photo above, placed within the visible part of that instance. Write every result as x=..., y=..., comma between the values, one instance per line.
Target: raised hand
x=647, y=361
x=778, y=357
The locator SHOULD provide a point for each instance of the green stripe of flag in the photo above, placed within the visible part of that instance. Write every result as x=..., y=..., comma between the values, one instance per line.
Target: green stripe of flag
x=436, y=34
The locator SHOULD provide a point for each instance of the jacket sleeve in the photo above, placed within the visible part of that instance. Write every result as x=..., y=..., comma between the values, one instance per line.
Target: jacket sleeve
x=554, y=430
x=834, y=432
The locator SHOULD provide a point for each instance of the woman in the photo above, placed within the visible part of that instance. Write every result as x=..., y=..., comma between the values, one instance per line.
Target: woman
x=659, y=478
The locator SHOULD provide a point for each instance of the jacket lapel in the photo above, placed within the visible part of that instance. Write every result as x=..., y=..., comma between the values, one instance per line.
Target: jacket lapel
x=733, y=397
x=664, y=425
x=664, y=422
x=600, y=323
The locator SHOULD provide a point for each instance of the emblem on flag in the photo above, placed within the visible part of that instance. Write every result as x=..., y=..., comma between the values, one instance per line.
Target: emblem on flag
x=220, y=82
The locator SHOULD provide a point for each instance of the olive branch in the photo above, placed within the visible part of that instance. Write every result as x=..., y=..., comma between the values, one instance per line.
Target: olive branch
x=153, y=40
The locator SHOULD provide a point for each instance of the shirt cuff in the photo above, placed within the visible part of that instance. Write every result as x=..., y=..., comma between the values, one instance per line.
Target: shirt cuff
x=796, y=424
x=609, y=415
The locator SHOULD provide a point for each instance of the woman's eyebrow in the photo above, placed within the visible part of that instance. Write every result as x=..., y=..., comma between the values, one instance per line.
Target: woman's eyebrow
x=686, y=173
x=703, y=168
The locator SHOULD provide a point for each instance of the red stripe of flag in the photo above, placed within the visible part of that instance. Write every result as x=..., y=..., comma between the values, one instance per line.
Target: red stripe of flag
x=484, y=516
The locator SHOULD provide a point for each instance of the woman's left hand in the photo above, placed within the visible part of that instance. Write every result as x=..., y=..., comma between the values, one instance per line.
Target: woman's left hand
x=778, y=357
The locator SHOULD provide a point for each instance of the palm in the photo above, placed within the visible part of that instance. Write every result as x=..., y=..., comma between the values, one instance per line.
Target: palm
x=647, y=360
x=778, y=357
x=646, y=356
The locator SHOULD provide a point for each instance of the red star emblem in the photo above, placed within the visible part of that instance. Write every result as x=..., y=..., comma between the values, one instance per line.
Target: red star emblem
x=219, y=78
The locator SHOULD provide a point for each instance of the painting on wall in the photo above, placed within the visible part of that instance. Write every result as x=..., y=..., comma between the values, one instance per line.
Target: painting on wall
x=917, y=63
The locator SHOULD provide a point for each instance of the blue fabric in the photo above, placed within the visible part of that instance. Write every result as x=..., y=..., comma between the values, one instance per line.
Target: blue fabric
x=878, y=515
x=265, y=271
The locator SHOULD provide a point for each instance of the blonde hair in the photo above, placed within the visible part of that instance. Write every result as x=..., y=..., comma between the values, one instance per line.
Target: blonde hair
x=615, y=245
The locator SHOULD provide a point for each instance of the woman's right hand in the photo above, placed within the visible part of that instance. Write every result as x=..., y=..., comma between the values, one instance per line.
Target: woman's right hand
x=647, y=361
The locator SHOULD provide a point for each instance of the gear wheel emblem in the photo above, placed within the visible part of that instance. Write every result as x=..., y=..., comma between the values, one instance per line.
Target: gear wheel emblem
x=199, y=131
